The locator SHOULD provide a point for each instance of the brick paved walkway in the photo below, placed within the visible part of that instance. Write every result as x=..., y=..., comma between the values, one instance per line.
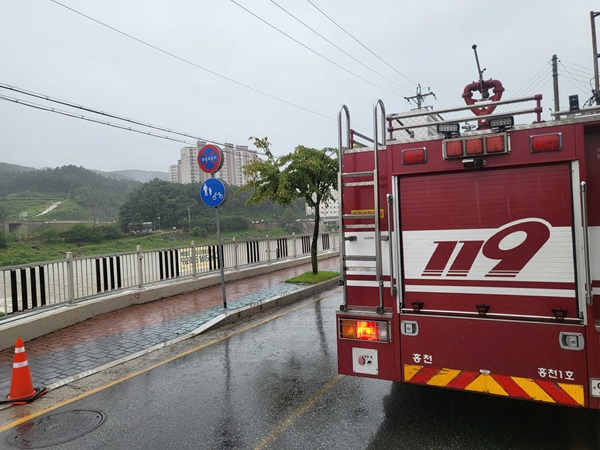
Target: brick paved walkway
x=112, y=336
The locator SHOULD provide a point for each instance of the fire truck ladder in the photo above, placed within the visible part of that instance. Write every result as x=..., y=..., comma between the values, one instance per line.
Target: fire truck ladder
x=367, y=178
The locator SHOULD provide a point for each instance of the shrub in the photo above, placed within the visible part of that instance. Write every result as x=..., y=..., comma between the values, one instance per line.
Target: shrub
x=199, y=232
x=48, y=235
x=104, y=232
x=81, y=233
x=234, y=223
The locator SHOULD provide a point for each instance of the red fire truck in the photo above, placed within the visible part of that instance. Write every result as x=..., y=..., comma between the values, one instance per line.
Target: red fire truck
x=471, y=255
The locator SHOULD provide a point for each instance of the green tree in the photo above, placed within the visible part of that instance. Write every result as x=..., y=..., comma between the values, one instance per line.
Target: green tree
x=155, y=199
x=306, y=173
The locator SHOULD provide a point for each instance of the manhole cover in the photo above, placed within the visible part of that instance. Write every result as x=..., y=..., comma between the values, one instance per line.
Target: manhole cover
x=55, y=429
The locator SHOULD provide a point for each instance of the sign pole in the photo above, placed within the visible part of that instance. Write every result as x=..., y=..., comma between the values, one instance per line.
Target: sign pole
x=214, y=193
x=220, y=256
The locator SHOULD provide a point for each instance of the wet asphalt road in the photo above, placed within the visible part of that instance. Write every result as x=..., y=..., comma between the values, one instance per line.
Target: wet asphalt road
x=271, y=383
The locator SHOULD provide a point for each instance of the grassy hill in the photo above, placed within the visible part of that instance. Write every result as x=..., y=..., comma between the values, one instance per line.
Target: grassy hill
x=83, y=194
x=27, y=204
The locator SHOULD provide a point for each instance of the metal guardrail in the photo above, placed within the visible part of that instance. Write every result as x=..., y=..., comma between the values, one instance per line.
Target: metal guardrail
x=28, y=286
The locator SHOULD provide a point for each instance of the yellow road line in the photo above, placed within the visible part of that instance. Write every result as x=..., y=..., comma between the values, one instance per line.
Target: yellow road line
x=296, y=414
x=152, y=367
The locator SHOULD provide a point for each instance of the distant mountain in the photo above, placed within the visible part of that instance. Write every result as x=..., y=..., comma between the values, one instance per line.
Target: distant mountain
x=6, y=167
x=138, y=175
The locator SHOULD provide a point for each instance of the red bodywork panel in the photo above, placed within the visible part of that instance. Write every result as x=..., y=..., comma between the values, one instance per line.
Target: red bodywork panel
x=489, y=237
x=490, y=261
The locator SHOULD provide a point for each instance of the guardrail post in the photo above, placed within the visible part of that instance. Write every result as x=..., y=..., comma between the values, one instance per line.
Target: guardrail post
x=235, y=254
x=140, y=267
x=70, y=278
x=294, y=243
x=268, y=250
x=194, y=268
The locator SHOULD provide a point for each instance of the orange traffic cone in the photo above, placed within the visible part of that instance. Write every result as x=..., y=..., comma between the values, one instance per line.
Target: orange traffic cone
x=21, y=387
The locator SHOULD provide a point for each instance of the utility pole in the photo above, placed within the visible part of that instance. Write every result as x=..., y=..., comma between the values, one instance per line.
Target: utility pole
x=418, y=99
x=555, y=83
x=596, y=93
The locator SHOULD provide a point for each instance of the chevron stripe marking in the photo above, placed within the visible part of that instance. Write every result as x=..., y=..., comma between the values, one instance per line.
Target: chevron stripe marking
x=424, y=375
x=485, y=383
x=502, y=385
x=463, y=380
x=575, y=391
x=410, y=371
x=533, y=390
x=443, y=377
x=510, y=386
x=557, y=393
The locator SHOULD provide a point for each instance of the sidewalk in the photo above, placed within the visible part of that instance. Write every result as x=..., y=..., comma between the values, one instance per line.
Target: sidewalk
x=80, y=350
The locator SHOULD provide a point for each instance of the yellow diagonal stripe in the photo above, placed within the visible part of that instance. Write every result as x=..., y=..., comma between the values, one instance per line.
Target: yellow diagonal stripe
x=443, y=377
x=533, y=390
x=410, y=371
x=485, y=383
x=575, y=391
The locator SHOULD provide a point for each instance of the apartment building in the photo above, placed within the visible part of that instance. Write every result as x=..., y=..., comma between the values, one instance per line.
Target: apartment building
x=235, y=157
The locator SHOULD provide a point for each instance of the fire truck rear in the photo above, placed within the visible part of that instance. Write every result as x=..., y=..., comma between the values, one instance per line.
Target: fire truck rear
x=471, y=259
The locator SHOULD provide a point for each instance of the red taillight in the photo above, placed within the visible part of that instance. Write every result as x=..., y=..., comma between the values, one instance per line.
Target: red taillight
x=414, y=156
x=474, y=146
x=495, y=144
x=546, y=142
x=454, y=148
x=366, y=331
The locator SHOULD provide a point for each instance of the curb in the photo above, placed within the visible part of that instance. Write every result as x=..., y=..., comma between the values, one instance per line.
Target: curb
x=223, y=319
x=44, y=321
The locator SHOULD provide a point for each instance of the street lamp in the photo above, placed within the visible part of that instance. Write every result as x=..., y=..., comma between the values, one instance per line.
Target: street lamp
x=158, y=223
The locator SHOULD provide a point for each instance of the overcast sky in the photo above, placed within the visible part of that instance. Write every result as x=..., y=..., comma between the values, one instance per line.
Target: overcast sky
x=262, y=82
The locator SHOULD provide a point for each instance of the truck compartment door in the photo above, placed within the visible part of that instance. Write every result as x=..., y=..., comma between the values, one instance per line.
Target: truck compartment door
x=496, y=242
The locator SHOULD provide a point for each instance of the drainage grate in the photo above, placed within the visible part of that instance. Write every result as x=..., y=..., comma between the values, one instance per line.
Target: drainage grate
x=55, y=429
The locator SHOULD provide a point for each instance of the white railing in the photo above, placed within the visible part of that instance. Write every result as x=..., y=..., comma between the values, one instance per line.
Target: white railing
x=44, y=284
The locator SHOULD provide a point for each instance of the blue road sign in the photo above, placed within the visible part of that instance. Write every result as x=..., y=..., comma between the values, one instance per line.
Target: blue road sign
x=213, y=192
x=210, y=158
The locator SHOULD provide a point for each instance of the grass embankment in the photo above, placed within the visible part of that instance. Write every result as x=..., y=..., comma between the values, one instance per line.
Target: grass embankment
x=311, y=278
x=31, y=203
x=25, y=252
x=31, y=250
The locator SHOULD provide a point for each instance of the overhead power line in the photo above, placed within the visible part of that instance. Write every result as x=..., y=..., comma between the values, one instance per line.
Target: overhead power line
x=571, y=77
x=89, y=119
x=310, y=49
x=336, y=46
x=545, y=73
x=104, y=114
x=586, y=69
x=186, y=61
x=318, y=8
